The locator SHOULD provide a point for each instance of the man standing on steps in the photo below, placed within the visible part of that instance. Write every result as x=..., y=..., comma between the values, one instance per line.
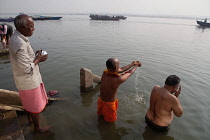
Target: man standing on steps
x=25, y=67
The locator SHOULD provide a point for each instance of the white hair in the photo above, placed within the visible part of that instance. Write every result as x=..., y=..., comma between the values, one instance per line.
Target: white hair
x=21, y=20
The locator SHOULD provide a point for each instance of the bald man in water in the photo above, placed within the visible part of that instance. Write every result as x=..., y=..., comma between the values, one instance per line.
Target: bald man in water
x=164, y=104
x=111, y=79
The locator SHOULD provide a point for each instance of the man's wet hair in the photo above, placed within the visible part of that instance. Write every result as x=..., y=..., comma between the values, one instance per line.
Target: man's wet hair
x=110, y=65
x=172, y=80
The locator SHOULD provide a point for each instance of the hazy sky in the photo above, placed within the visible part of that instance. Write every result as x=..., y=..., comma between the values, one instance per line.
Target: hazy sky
x=165, y=7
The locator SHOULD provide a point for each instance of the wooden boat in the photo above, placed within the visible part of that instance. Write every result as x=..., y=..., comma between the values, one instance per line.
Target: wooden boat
x=203, y=23
x=103, y=17
x=38, y=17
x=9, y=19
x=122, y=17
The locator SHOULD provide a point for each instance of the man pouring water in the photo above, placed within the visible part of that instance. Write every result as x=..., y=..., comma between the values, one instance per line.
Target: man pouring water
x=111, y=79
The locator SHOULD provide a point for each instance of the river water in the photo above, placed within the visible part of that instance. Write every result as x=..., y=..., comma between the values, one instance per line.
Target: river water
x=165, y=46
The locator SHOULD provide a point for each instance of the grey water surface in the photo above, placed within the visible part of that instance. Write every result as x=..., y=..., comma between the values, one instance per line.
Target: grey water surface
x=165, y=46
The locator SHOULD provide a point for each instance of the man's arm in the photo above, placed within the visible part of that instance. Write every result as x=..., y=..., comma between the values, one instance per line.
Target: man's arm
x=24, y=62
x=176, y=107
x=125, y=68
x=5, y=29
x=125, y=76
x=153, y=98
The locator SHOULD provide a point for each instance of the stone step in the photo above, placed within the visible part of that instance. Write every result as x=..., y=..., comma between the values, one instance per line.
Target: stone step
x=9, y=126
x=4, y=51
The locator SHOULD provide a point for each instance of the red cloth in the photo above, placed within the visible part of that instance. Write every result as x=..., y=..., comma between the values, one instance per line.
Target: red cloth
x=34, y=100
x=108, y=110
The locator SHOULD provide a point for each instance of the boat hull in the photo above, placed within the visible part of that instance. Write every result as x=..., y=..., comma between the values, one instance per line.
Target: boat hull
x=104, y=18
x=34, y=18
x=204, y=24
x=46, y=18
x=6, y=19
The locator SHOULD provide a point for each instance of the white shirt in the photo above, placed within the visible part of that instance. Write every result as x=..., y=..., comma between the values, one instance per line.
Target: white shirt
x=26, y=75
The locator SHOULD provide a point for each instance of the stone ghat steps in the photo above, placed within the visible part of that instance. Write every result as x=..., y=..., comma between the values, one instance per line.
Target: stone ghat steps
x=13, y=120
x=4, y=52
x=10, y=127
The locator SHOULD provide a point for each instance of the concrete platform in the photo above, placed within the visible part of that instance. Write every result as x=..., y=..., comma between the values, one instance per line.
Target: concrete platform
x=10, y=128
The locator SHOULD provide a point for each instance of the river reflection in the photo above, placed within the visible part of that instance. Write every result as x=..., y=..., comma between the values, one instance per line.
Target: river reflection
x=48, y=135
x=203, y=28
x=150, y=134
x=87, y=97
x=109, y=131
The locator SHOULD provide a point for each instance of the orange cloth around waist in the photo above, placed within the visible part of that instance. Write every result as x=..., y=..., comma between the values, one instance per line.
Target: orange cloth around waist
x=108, y=110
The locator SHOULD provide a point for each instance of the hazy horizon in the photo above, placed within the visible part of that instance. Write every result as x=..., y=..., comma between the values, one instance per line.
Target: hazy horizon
x=128, y=7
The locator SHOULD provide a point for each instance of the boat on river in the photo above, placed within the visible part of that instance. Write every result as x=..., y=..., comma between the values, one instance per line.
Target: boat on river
x=38, y=17
x=7, y=19
x=203, y=23
x=106, y=17
x=103, y=17
x=122, y=17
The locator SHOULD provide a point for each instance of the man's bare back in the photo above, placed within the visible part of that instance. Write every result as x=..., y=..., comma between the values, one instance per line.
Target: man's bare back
x=163, y=104
x=109, y=86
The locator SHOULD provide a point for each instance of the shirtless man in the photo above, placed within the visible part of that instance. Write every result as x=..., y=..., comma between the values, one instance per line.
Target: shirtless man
x=163, y=104
x=111, y=79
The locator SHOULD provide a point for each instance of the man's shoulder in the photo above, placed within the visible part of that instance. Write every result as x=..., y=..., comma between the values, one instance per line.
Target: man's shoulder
x=16, y=42
x=111, y=76
x=157, y=87
x=18, y=38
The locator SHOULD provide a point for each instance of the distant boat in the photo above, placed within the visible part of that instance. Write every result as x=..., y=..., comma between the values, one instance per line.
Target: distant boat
x=122, y=17
x=38, y=17
x=9, y=19
x=106, y=17
x=203, y=23
x=103, y=17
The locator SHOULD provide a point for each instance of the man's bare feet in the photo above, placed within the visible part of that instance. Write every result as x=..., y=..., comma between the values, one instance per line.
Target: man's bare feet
x=42, y=130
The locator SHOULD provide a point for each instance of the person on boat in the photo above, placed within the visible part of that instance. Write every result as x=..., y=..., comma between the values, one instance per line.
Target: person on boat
x=111, y=79
x=25, y=67
x=6, y=32
x=164, y=104
x=205, y=20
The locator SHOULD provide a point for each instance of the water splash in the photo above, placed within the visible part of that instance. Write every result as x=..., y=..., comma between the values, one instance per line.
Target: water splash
x=139, y=95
